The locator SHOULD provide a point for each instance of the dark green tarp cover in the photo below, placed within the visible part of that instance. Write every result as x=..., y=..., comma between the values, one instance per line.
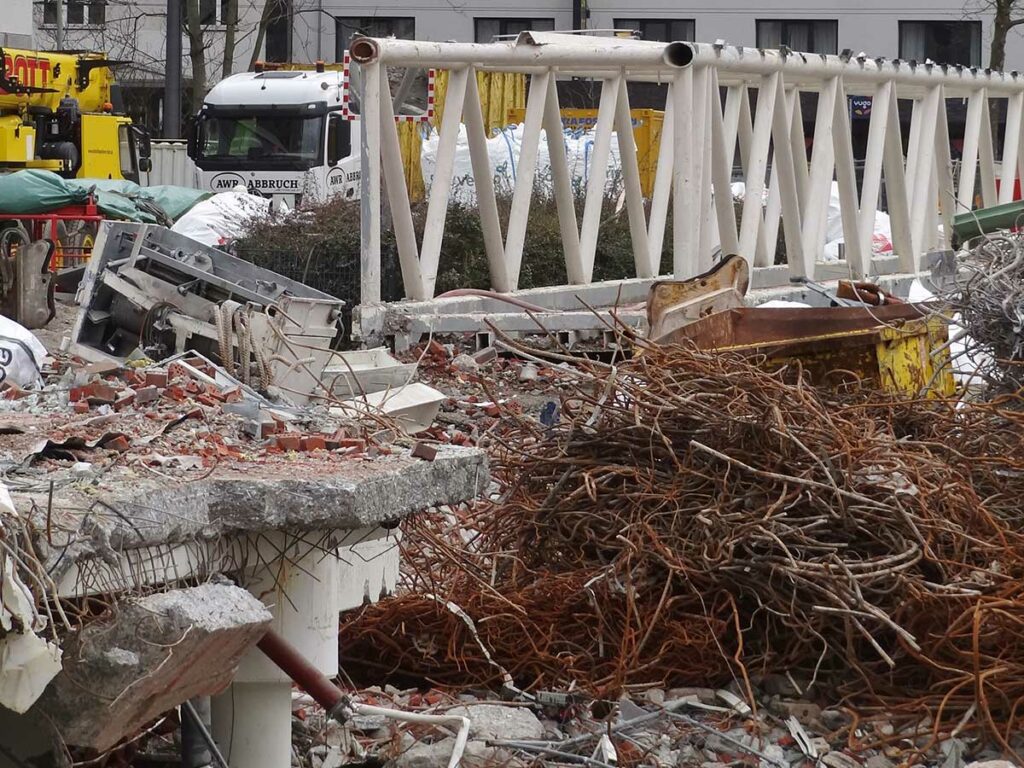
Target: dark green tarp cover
x=28, y=192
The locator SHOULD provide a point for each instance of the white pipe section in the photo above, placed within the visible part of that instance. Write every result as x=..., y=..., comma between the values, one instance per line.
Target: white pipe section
x=757, y=166
x=1011, y=147
x=662, y=185
x=398, y=198
x=515, y=236
x=969, y=156
x=483, y=177
x=461, y=737
x=684, y=240
x=986, y=154
x=369, y=262
x=595, y=52
x=598, y=174
x=872, y=183
x=822, y=165
x=782, y=169
x=922, y=203
x=565, y=200
x=444, y=171
x=722, y=153
x=631, y=182
x=858, y=255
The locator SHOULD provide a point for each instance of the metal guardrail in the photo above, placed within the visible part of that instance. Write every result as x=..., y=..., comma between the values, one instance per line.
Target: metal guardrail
x=703, y=134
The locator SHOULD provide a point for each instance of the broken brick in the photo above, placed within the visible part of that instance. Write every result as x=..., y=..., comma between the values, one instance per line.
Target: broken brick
x=78, y=393
x=156, y=378
x=102, y=368
x=351, y=442
x=232, y=395
x=424, y=451
x=125, y=399
x=146, y=395
x=119, y=444
x=314, y=443
x=100, y=392
x=289, y=442
x=81, y=406
x=485, y=355
x=492, y=410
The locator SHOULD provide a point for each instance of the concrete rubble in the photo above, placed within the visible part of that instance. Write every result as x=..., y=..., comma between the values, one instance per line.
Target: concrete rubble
x=160, y=515
x=152, y=654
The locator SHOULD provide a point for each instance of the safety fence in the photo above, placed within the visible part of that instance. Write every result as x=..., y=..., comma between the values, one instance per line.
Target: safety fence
x=759, y=118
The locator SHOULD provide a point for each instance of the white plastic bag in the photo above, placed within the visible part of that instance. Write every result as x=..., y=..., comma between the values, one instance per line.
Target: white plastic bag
x=21, y=355
x=223, y=217
x=503, y=150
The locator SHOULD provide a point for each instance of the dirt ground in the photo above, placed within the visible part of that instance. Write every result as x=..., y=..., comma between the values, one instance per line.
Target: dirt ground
x=61, y=324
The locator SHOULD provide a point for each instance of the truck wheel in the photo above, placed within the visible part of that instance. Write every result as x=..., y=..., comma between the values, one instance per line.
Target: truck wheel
x=13, y=236
x=60, y=241
x=80, y=244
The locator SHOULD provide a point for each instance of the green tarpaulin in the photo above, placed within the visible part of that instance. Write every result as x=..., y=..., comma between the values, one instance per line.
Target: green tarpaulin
x=29, y=192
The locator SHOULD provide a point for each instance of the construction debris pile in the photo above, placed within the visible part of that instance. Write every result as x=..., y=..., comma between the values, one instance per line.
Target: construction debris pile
x=694, y=518
x=986, y=296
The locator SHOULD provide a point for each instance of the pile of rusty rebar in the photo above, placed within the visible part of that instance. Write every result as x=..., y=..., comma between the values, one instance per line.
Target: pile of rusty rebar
x=694, y=519
x=986, y=299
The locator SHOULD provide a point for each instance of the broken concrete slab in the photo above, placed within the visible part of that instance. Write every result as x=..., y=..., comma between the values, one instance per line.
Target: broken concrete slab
x=153, y=654
x=477, y=754
x=126, y=511
x=493, y=721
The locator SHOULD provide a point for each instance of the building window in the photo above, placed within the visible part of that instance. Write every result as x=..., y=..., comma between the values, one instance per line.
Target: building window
x=488, y=29
x=660, y=30
x=372, y=26
x=279, y=32
x=944, y=42
x=805, y=35
x=78, y=13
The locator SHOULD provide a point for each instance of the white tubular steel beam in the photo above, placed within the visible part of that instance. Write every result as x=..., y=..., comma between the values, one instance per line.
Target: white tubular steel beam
x=515, y=237
x=562, y=183
x=871, y=186
x=757, y=166
x=858, y=255
x=631, y=183
x=483, y=177
x=662, y=186
x=685, y=240
x=969, y=157
x=706, y=143
x=1011, y=147
x=398, y=198
x=598, y=174
x=440, y=190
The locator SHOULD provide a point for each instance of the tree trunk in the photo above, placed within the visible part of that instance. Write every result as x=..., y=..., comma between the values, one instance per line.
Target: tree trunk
x=269, y=7
x=196, y=53
x=231, y=22
x=1000, y=27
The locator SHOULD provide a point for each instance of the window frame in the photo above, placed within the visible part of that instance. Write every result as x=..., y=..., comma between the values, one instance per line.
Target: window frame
x=784, y=22
x=49, y=9
x=640, y=21
x=974, y=24
x=504, y=21
x=340, y=22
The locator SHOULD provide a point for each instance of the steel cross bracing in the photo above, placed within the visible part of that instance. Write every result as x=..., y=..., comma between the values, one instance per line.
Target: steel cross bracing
x=701, y=136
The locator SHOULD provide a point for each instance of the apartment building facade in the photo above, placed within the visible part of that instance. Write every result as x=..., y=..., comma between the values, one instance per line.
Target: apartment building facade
x=946, y=31
x=16, y=24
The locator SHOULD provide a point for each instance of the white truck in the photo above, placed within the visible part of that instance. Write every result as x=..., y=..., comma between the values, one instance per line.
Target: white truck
x=285, y=134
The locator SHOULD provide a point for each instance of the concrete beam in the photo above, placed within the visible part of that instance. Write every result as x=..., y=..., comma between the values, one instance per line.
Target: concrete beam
x=152, y=654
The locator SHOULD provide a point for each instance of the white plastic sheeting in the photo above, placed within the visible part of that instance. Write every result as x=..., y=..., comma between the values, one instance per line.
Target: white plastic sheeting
x=223, y=217
x=27, y=662
x=503, y=149
x=21, y=355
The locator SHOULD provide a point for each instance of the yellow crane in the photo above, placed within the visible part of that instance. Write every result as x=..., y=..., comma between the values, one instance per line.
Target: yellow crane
x=57, y=113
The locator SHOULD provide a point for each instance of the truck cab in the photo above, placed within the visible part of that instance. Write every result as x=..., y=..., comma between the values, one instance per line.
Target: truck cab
x=57, y=113
x=283, y=134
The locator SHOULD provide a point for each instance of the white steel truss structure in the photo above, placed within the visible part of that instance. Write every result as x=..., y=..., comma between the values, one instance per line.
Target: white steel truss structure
x=701, y=136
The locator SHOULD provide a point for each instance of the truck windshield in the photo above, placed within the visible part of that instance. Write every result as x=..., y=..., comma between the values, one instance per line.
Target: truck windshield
x=288, y=139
